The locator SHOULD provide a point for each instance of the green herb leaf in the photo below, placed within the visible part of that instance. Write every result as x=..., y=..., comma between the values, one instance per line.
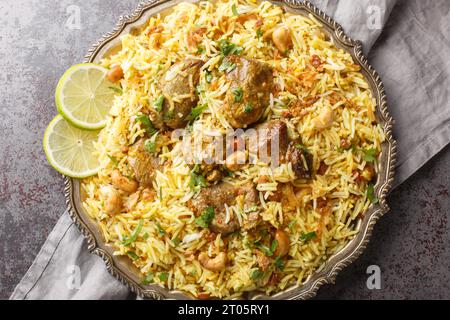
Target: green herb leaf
x=150, y=146
x=133, y=255
x=158, y=103
x=197, y=180
x=116, y=90
x=259, y=33
x=248, y=108
x=160, y=194
x=267, y=251
x=196, y=112
x=234, y=10
x=279, y=263
x=205, y=219
x=238, y=94
x=161, y=231
x=257, y=274
x=148, y=279
x=163, y=276
x=145, y=236
x=308, y=236
x=201, y=49
x=113, y=160
x=226, y=48
x=369, y=154
x=176, y=241
x=147, y=123
x=134, y=235
x=371, y=193
x=292, y=223
x=227, y=66
x=208, y=77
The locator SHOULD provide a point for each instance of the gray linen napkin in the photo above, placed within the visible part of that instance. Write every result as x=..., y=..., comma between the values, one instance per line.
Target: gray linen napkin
x=411, y=58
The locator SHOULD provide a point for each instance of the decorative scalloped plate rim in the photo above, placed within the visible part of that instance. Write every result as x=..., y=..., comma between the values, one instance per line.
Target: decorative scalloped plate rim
x=124, y=271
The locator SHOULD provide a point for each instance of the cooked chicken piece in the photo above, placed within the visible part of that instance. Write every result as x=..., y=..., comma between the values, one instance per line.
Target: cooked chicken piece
x=178, y=87
x=143, y=163
x=249, y=92
x=301, y=161
x=217, y=196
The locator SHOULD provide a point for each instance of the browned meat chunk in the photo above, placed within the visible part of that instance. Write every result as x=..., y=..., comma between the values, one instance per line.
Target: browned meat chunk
x=263, y=261
x=217, y=196
x=272, y=134
x=143, y=163
x=301, y=161
x=249, y=92
x=178, y=87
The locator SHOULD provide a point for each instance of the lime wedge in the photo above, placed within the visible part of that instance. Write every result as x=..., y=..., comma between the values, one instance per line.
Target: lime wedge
x=84, y=96
x=69, y=149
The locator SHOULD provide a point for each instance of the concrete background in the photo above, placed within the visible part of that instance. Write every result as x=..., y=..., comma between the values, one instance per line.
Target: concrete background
x=410, y=244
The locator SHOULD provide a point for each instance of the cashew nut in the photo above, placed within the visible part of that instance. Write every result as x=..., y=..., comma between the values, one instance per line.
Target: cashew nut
x=213, y=264
x=283, y=243
x=123, y=183
x=112, y=200
x=281, y=37
x=324, y=119
x=115, y=73
x=236, y=160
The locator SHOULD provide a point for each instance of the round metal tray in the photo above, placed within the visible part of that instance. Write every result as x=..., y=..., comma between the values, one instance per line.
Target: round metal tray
x=121, y=266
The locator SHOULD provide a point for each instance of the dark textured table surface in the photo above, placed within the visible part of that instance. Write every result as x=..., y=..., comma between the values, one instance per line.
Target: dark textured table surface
x=40, y=39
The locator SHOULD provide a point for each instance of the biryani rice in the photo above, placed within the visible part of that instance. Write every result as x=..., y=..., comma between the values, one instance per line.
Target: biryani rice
x=169, y=239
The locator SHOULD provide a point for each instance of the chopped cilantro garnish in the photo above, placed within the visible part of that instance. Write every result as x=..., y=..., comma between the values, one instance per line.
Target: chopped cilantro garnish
x=259, y=33
x=161, y=231
x=371, y=193
x=257, y=274
x=113, y=160
x=116, y=90
x=158, y=103
x=308, y=236
x=369, y=154
x=206, y=217
x=292, y=223
x=238, y=94
x=208, y=77
x=234, y=10
x=196, y=112
x=163, y=276
x=226, y=48
x=197, y=180
x=148, y=279
x=201, y=49
x=150, y=146
x=267, y=251
x=248, y=108
x=227, y=66
x=133, y=255
x=129, y=240
x=279, y=263
x=147, y=123
x=176, y=241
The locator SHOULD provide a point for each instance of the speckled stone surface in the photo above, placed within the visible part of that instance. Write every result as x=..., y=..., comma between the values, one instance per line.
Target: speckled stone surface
x=410, y=244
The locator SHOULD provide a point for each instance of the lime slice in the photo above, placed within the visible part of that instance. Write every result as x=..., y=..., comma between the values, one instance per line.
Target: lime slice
x=84, y=96
x=69, y=149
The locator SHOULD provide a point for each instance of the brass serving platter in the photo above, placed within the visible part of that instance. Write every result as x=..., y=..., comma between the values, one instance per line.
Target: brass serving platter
x=122, y=268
